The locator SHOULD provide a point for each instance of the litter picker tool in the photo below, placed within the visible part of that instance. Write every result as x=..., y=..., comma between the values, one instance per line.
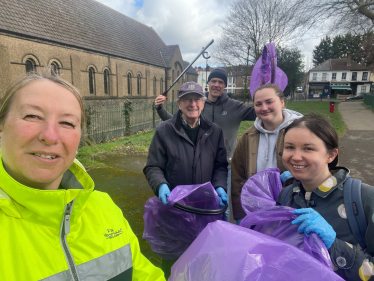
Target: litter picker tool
x=184, y=71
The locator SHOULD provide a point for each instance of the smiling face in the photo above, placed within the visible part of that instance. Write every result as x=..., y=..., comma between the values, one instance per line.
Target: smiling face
x=216, y=88
x=268, y=107
x=191, y=106
x=41, y=134
x=306, y=157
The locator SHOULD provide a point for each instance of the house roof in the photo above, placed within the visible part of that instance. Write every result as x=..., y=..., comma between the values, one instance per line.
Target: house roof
x=342, y=64
x=84, y=24
x=191, y=70
x=323, y=66
x=238, y=70
x=339, y=64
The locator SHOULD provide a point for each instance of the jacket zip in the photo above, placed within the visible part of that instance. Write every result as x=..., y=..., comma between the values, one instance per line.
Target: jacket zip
x=64, y=232
x=193, y=165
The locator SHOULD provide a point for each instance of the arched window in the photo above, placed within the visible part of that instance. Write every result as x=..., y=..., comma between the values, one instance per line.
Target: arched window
x=139, y=82
x=129, y=84
x=161, y=86
x=30, y=65
x=91, y=80
x=154, y=85
x=55, y=68
x=106, y=81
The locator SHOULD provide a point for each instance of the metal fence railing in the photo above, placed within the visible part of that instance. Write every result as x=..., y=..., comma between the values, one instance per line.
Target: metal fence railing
x=107, y=122
x=369, y=100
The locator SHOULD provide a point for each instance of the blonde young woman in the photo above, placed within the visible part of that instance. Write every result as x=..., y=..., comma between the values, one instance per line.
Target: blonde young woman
x=260, y=147
x=53, y=225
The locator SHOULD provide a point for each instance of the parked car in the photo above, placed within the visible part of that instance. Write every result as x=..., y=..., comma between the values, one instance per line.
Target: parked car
x=299, y=89
x=358, y=97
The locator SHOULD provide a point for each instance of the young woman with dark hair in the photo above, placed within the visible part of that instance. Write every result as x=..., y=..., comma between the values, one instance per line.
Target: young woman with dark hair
x=310, y=153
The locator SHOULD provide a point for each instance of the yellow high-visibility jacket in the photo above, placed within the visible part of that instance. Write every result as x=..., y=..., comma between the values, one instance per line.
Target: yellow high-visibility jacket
x=73, y=233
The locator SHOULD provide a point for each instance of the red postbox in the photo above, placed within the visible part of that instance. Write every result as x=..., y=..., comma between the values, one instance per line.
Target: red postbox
x=332, y=106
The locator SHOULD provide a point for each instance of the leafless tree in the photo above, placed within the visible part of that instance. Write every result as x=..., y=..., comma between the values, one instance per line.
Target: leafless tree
x=255, y=22
x=355, y=16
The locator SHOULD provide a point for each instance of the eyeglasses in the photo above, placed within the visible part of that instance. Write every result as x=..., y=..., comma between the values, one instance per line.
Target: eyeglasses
x=196, y=100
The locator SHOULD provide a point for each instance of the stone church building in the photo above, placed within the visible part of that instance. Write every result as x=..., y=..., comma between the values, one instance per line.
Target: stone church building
x=105, y=54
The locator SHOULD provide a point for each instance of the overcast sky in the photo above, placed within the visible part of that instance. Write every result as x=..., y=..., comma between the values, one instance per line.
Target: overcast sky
x=189, y=23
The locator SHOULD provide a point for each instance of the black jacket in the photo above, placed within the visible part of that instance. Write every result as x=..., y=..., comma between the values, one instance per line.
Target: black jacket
x=174, y=159
x=227, y=114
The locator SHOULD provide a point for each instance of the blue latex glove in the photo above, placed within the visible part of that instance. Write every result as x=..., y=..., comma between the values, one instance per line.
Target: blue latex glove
x=222, y=197
x=285, y=176
x=163, y=193
x=312, y=221
x=238, y=221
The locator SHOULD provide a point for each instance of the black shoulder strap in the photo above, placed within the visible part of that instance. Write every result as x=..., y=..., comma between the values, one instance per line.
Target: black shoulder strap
x=286, y=195
x=355, y=210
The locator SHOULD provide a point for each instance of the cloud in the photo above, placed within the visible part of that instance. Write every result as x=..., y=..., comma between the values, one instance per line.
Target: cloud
x=191, y=24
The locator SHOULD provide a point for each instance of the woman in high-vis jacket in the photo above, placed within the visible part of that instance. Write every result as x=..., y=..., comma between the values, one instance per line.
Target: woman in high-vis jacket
x=53, y=225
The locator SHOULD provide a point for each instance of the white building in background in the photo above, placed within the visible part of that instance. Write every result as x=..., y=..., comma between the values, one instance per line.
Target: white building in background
x=203, y=75
x=338, y=77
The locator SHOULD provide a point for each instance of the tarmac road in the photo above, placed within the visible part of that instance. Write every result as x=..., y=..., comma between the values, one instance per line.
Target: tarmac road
x=356, y=146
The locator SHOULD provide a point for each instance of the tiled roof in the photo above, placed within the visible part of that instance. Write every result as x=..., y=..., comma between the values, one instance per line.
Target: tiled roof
x=339, y=64
x=85, y=24
x=323, y=66
x=167, y=52
x=191, y=70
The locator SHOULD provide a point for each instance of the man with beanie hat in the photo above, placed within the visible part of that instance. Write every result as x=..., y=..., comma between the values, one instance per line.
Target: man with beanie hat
x=225, y=112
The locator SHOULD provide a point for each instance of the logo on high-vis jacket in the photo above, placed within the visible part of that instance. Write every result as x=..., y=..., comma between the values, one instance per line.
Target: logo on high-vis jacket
x=224, y=112
x=111, y=233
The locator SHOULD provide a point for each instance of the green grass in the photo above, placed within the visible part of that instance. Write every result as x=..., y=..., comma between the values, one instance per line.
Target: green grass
x=139, y=143
x=304, y=107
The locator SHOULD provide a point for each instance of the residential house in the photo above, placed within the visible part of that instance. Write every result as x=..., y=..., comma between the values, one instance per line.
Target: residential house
x=336, y=77
x=203, y=74
x=235, y=78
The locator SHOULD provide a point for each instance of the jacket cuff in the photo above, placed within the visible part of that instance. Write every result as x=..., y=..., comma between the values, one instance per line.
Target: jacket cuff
x=342, y=255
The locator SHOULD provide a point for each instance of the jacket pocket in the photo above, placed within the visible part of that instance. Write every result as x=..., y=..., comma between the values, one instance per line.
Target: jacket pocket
x=174, y=170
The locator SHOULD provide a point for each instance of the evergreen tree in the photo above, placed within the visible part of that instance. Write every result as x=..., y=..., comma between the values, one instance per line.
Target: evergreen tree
x=290, y=61
x=323, y=51
x=339, y=47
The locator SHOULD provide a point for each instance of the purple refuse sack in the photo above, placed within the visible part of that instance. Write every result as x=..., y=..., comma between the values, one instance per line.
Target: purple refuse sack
x=258, y=198
x=275, y=221
x=169, y=230
x=266, y=70
x=261, y=190
x=224, y=252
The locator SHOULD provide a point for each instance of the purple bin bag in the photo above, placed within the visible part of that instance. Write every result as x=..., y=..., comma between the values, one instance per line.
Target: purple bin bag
x=275, y=221
x=225, y=252
x=261, y=190
x=266, y=70
x=169, y=230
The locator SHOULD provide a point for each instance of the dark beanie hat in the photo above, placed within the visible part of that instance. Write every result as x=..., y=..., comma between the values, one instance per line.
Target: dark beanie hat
x=218, y=73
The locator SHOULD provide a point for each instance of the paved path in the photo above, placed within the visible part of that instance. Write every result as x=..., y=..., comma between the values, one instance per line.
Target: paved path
x=356, y=147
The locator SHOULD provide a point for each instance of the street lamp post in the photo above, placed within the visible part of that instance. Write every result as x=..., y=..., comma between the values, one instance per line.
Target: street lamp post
x=206, y=57
x=246, y=74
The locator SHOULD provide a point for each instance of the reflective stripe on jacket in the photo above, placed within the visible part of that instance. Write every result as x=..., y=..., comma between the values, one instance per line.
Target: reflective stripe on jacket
x=73, y=233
